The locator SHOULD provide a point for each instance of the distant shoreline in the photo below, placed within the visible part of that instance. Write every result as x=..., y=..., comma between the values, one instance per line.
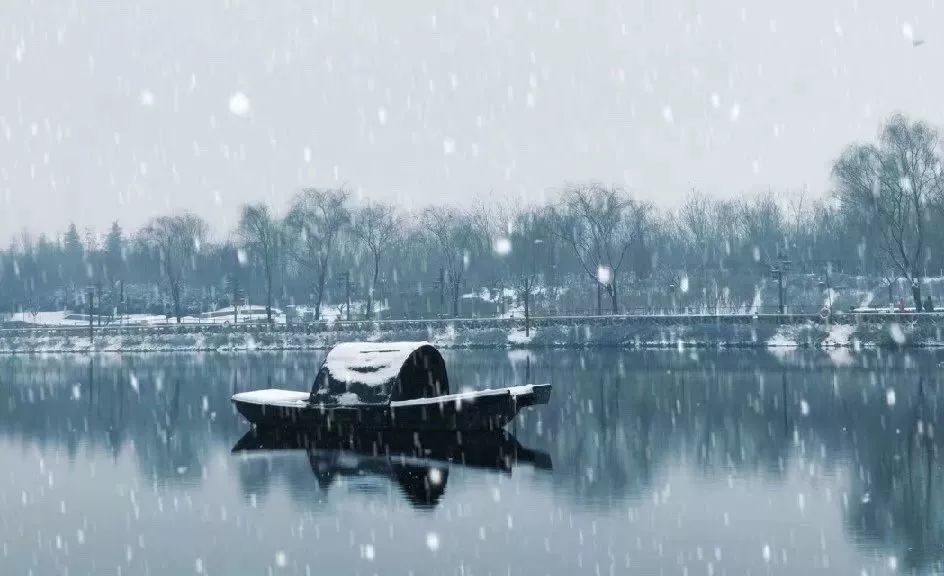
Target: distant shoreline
x=629, y=332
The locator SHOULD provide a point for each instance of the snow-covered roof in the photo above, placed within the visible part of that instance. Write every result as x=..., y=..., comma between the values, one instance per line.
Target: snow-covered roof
x=377, y=372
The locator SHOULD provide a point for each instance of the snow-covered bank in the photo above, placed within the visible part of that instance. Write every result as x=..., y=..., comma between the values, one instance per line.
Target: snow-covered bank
x=621, y=332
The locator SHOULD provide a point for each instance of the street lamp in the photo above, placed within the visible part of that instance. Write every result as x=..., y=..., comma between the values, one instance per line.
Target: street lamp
x=826, y=285
x=778, y=271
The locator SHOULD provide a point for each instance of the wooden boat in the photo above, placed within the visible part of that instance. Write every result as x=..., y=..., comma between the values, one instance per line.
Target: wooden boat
x=387, y=386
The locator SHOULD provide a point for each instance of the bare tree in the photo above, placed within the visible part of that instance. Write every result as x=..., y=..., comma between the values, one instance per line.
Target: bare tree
x=600, y=224
x=260, y=233
x=29, y=272
x=493, y=224
x=695, y=216
x=697, y=222
x=761, y=223
x=456, y=238
x=799, y=219
x=316, y=218
x=377, y=227
x=177, y=240
x=893, y=186
x=890, y=277
x=528, y=245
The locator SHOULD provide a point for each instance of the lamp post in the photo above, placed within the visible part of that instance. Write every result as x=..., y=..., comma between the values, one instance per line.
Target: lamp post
x=826, y=284
x=783, y=264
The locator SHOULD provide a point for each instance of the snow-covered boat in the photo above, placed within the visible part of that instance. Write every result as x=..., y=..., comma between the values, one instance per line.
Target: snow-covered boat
x=387, y=386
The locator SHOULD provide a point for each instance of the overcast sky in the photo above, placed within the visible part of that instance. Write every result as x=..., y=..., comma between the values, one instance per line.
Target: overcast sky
x=125, y=109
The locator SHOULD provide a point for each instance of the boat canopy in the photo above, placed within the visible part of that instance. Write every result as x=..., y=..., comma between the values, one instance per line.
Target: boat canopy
x=358, y=373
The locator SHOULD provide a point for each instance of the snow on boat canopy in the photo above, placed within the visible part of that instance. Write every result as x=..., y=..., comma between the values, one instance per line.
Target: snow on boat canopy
x=383, y=386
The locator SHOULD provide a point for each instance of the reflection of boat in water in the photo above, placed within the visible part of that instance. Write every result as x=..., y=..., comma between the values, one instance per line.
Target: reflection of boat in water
x=418, y=461
x=387, y=386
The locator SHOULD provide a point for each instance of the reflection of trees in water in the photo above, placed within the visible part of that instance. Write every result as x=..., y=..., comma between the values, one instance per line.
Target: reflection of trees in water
x=896, y=491
x=616, y=422
x=616, y=419
x=154, y=401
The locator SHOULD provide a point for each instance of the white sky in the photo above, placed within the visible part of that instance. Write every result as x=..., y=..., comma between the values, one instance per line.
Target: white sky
x=123, y=109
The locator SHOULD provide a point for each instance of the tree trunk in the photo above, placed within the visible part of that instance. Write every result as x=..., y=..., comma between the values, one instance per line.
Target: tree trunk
x=280, y=265
x=527, y=313
x=175, y=294
x=614, y=299
x=320, y=291
x=599, y=298
x=373, y=286
x=268, y=273
x=916, y=293
x=456, y=287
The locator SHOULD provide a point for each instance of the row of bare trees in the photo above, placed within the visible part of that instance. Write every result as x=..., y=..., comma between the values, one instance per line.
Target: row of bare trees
x=885, y=219
x=599, y=224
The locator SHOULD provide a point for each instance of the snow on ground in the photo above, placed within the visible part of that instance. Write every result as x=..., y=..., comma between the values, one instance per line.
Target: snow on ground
x=785, y=337
x=338, y=312
x=839, y=335
x=486, y=295
x=48, y=318
x=517, y=337
x=445, y=338
x=513, y=312
x=254, y=313
x=67, y=318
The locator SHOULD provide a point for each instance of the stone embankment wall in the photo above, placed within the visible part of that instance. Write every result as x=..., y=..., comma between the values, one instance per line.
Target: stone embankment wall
x=862, y=330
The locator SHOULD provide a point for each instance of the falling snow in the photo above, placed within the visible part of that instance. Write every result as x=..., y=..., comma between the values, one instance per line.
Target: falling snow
x=239, y=105
x=685, y=217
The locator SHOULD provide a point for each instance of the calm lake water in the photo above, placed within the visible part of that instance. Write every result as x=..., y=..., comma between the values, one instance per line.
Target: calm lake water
x=739, y=462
